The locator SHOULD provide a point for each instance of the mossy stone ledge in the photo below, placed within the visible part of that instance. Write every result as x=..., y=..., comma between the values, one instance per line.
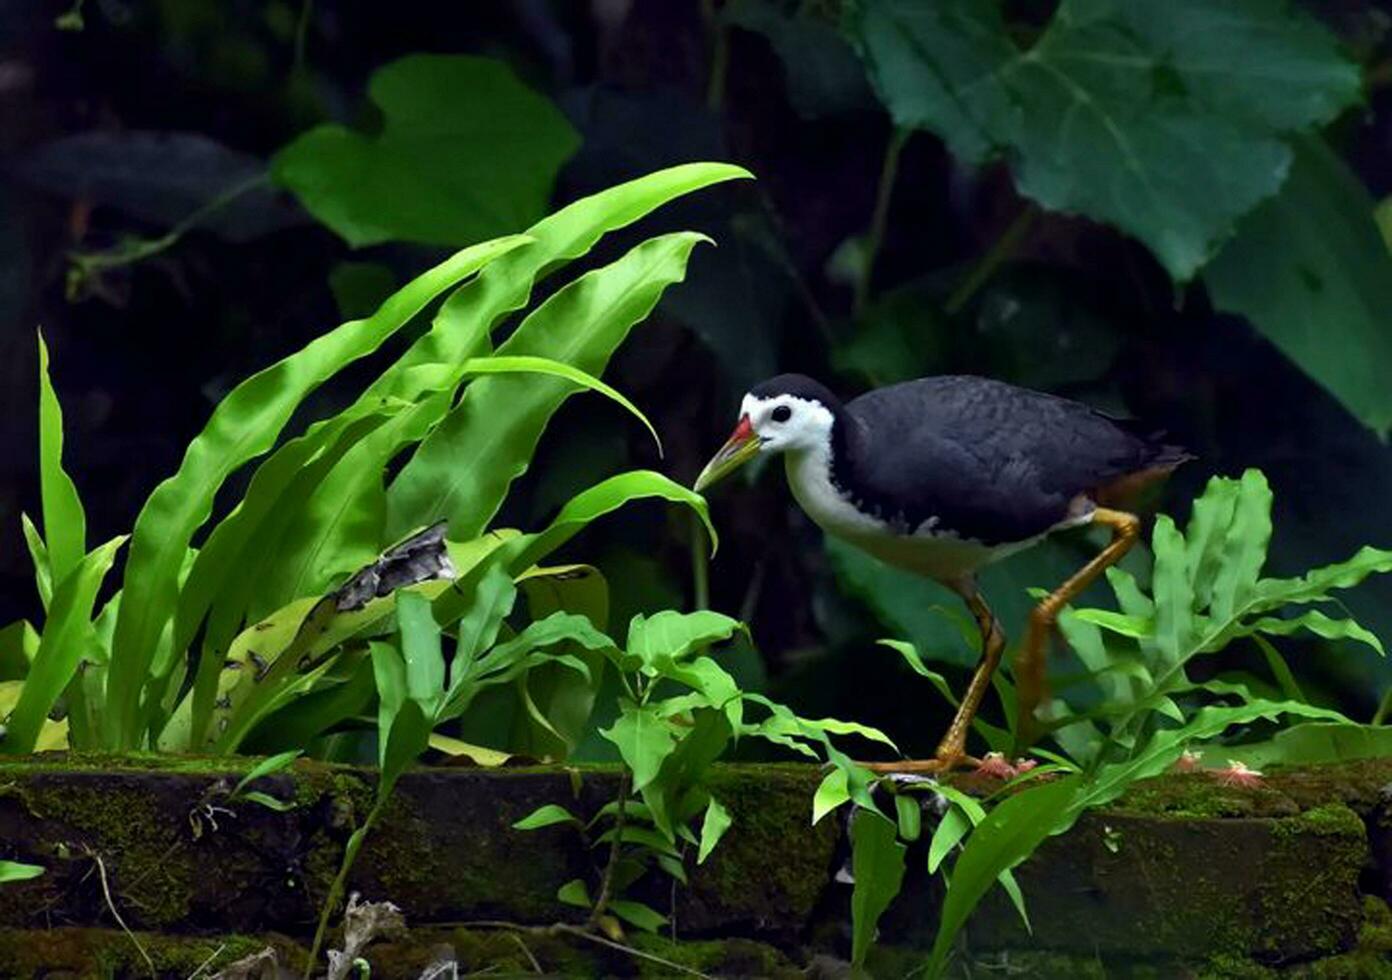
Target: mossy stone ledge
x=1285, y=879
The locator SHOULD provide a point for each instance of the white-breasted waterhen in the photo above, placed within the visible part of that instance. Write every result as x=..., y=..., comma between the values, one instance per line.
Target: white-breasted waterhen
x=944, y=475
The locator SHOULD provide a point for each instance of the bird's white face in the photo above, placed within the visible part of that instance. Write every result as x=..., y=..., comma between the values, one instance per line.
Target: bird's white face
x=776, y=424
x=785, y=423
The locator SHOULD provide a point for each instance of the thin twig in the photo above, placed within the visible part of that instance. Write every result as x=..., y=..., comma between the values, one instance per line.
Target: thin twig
x=700, y=564
x=526, y=951
x=607, y=885
x=301, y=32
x=1383, y=706
x=879, y=218
x=111, y=904
x=205, y=964
x=982, y=272
x=719, y=58
x=579, y=932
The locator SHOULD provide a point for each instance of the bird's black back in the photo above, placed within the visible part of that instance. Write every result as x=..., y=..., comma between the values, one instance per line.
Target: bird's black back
x=990, y=461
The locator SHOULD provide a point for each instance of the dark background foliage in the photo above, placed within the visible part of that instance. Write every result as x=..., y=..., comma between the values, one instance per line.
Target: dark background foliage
x=129, y=125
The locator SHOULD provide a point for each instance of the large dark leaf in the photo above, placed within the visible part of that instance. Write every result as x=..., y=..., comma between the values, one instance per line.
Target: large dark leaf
x=1164, y=120
x=163, y=178
x=466, y=151
x=1311, y=272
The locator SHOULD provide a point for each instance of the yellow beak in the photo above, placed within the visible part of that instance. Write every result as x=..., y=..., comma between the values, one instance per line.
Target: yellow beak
x=742, y=446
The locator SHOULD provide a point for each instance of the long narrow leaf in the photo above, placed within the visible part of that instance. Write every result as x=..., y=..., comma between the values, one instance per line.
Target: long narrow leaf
x=245, y=424
x=522, y=364
x=64, y=522
x=500, y=419
x=66, y=635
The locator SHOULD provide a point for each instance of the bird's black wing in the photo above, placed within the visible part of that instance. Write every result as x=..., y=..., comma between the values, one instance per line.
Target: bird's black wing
x=988, y=460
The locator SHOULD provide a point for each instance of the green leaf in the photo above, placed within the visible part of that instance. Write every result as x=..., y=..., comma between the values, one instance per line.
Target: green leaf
x=522, y=364
x=389, y=671
x=579, y=589
x=575, y=892
x=64, y=522
x=67, y=635
x=877, y=864
x=603, y=498
x=910, y=655
x=1313, y=255
x=266, y=767
x=499, y=420
x=832, y=791
x=644, y=740
x=670, y=635
x=713, y=827
x=360, y=287
x=1174, y=597
x=910, y=815
x=1316, y=622
x=268, y=801
x=672, y=866
x=409, y=735
x=1316, y=743
x=19, y=643
x=477, y=629
x=1244, y=547
x=245, y=423
x=638, y=914
x=822, y=75
x=38, y=557
x=420, y=647
x=949, y=833
x=465, y=152
x=15, y=871
x=546, y=816
x=1007, y=835
x=476, y=307
x=1165, y=121
x=1316, y=585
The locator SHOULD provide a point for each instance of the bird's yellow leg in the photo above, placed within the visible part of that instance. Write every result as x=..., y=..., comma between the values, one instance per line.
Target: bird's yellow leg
x=1031, y=684
x=951, y=751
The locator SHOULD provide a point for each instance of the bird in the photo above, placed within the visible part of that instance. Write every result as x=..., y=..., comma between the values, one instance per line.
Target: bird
x=944, y=475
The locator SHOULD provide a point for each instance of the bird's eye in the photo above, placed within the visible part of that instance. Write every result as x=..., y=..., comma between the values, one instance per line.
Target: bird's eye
x=782, y=413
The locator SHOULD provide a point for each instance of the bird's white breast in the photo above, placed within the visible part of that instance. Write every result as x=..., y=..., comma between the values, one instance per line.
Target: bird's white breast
x=927, y=549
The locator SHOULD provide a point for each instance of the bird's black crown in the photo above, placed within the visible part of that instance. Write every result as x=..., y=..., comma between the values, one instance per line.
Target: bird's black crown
x=797, y=385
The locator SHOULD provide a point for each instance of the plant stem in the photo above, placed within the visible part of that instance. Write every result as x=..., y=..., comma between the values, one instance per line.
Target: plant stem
x=719, y=57
x=350, y=853
x=700, y=565
x=1383, y=706
x=879, y=218
x=301, y=32
x=607, y=885
x=982, y=272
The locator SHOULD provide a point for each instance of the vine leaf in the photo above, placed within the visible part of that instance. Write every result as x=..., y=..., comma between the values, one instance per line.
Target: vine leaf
x=1165, y=121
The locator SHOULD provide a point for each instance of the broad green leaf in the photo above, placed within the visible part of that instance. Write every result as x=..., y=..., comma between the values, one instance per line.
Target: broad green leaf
x=832, y=791
x=420, y=647
x=1119, y=623
x=673, y=635
x=475, y=307
x=64, y=522
x=1203, y=538
x=1312, y=256
x=579, y=589
x=644, y=740
x=673, y=867
x=466, y=151
x=1316, y=743
x=638, y=914
x=575, y=892
x=1174, y=600
x=499, y=420
x=877, y=864
x=546, y=816
x=1244, y=547
x=713, y=827
x=17, y=871
x=67, y=634
x=409, y=735
x=266, y=767
x=522, y=364
x=491, y=601
x=1007, y=835
x=245, y=424
x=38, y=557
x=1165, y=121
x=478, y=754
x=642, y=836
x=822, y=75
